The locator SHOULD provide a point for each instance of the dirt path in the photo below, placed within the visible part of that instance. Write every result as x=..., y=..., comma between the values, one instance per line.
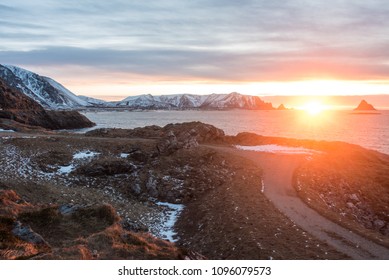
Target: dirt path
x=278, y=173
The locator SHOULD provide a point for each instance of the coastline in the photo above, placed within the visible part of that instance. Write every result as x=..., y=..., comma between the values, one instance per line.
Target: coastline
x=219, y=186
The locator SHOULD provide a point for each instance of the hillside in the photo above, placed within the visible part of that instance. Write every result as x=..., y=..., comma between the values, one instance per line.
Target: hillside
x=47, y=92
x=18, y=108
x=146, y=174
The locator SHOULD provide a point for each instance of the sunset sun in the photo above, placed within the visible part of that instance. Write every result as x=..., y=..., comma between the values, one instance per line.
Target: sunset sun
x=313, y=108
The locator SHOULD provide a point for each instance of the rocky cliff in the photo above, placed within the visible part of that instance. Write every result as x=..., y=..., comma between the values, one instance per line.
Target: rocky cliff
x=364, y=106
x=18, y=107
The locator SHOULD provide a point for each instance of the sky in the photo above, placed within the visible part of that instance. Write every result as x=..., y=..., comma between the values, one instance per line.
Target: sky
x=117, y=48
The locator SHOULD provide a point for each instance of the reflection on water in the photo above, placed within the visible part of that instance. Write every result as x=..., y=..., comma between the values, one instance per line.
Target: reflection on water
x=370, y=131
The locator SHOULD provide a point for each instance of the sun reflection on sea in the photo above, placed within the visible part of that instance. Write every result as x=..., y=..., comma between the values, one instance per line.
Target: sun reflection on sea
x=315, y=117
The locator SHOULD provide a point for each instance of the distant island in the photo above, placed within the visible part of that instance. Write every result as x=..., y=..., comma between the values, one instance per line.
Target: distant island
x=281, y=107
x=365, y=108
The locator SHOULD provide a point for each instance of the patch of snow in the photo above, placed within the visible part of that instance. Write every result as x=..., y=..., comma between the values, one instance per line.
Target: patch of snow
x=5, y=130
x=167, y=228
x=124, y=155
x=65, y=169
x=84, y=154
x=277, y=149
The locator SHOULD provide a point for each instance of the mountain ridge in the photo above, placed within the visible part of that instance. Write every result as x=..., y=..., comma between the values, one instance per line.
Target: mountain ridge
x=46, y=91
x=184, y=101
x=18, y=109
x=52, y=95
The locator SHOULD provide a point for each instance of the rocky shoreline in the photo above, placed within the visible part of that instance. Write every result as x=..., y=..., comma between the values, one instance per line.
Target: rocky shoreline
x=119, y=183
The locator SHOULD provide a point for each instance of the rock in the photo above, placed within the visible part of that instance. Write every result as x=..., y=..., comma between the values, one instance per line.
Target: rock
x=203, y=133
x=364, y=106
x=27, y=234
x=168, y=144
x=281, y=107
x=189, y=140
x=151, y=186
x=186, y=134
x=68, y=120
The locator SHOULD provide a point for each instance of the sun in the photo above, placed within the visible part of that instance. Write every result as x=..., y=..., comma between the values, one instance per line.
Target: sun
x=313, y=108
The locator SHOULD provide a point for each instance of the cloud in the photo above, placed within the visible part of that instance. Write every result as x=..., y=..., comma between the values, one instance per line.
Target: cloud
x=212, y=65
x=207, y=39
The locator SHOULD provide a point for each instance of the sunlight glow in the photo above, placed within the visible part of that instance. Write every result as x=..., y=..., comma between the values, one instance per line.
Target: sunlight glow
x=314, y=108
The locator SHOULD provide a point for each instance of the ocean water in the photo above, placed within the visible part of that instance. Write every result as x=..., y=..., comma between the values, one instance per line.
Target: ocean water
x=368, y=130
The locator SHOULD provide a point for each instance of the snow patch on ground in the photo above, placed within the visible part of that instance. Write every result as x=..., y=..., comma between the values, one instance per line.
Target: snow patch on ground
x=65, y=169
x=124, y=155
x=77, y=156
x=166, y=230
x=85, y=154
x=277, y=149
x=5, y=130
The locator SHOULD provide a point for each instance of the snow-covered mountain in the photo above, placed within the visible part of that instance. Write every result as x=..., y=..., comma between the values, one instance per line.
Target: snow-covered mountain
x=175, y=101
x=191, y=101
x=47, y=92
x=52, y=95
x=94, y=101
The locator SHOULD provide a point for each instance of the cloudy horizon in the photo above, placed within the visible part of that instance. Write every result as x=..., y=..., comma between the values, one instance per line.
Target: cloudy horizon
x=122, y=48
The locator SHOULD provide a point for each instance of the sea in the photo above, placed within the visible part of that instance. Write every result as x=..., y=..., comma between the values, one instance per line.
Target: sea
x=368, y=130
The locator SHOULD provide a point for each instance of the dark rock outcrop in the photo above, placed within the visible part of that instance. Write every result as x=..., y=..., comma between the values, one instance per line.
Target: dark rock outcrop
x=17, y=107
x=181, y=134
x=170, y=143
x=364, y=106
